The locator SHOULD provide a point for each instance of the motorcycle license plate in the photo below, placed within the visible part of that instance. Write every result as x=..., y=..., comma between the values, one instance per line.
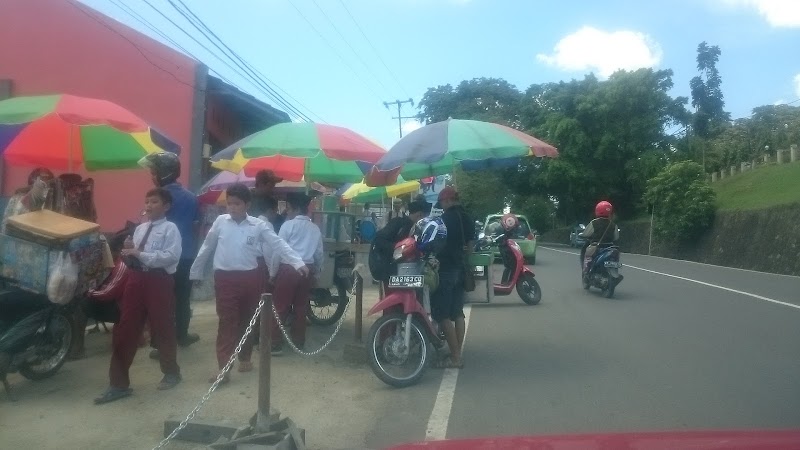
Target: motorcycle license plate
x=613, y=264
x=406, y=281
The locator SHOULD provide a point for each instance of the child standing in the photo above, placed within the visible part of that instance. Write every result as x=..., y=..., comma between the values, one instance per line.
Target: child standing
x=152, y=257
x=291, y=291
x=237, y=240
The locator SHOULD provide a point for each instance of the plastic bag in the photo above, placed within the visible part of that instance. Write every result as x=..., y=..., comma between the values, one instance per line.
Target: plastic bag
x=63, y=279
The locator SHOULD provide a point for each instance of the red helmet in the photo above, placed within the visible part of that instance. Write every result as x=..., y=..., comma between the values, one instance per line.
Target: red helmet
x=603, y=209
x=509, y=221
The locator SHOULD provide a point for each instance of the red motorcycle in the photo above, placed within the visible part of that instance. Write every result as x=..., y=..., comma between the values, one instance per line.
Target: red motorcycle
x=401, y=343
x=515, y=272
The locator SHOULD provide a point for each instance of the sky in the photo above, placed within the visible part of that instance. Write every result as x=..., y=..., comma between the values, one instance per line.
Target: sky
x=337, y=61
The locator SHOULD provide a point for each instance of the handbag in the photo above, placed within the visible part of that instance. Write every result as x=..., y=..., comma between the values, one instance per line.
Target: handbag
x=469, y=273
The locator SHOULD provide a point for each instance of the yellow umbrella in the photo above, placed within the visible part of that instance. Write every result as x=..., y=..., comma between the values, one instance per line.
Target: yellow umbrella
x=361, y=193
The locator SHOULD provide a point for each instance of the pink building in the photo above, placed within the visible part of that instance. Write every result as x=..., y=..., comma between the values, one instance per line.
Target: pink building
x=63, y=46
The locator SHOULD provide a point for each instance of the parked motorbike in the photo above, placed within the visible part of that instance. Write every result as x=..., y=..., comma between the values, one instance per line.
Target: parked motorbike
x=602, y=270
x=327, y=304
x=403, y=340
x=35, y=335
x=515, y=272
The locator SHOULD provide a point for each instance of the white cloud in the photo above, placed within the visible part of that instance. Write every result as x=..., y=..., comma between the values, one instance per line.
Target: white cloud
x=777, y=13
x=603, y=51
x=797, y=85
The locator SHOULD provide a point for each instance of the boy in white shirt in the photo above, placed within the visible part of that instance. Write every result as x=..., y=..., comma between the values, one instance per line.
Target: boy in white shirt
x=237, y=241
x=291, y=292
x=152, y=256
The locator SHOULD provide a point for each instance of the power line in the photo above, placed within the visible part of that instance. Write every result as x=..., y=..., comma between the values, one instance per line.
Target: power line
x=139, y=49
x=341, y=2
x=200, y=26
x=226, y=63
x=204, y=47
x=355, y=72
x=250, y=66
x=139, y=18
x=336, y=29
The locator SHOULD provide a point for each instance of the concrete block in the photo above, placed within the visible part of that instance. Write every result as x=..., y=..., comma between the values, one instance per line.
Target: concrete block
x=714, y=177
x=793, y=153
x=355, y=353
x=766, y=159
x=733, y=170
x=779, y=156
x=721, y=174
x=201, y=430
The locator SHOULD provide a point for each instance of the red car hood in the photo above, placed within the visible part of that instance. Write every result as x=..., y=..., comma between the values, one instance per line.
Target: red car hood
x=668, y=440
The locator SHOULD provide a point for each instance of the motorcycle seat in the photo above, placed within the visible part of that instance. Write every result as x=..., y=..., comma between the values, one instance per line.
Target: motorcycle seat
x=16, y=303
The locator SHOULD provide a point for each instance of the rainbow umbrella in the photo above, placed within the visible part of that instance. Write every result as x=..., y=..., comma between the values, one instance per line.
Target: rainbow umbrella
x=436, y=149
x=214, y=189
x=302, y=151
x=361, y=193
x=62, y=132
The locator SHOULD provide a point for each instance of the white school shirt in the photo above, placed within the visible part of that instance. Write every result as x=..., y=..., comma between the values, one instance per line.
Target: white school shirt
x=237, y=246
x=163, y=247
x=305, y=238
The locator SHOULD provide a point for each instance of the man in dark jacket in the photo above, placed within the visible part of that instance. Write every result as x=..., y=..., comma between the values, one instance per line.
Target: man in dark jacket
x=397, y=229
x=447, y=302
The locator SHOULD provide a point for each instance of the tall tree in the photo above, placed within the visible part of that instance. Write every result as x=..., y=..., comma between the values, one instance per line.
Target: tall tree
x=709, y=103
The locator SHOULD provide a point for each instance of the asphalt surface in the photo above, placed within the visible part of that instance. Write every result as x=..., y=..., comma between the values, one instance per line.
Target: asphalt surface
x=665, y=354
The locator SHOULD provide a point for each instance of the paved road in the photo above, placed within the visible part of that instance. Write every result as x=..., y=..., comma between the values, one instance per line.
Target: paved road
x=666, y=353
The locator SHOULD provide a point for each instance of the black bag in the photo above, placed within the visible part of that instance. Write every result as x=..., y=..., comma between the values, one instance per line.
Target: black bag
x=379, y=265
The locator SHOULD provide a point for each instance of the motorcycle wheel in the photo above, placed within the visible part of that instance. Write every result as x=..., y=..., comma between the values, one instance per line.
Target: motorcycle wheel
x=528, y=289
x=386, y=352
x=51, y=351
x=585, y=282
x=325, y=309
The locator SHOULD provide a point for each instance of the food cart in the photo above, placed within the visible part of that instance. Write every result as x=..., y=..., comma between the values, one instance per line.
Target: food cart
x=341, y=254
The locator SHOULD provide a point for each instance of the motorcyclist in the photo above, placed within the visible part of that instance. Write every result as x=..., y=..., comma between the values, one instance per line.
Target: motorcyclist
x=601, y=231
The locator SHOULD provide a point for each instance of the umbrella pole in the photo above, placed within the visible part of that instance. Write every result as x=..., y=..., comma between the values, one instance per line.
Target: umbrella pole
x=69, y=157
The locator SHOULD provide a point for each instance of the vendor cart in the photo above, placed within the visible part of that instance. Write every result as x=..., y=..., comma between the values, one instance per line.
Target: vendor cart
x=340, y=255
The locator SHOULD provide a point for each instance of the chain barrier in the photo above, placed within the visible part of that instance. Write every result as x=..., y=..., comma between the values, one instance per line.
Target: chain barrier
x=350, y=300
x=227, y=368
x=216, y=382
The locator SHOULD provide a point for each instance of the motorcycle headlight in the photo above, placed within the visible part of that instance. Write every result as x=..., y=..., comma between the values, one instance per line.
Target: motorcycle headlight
x=398, y=253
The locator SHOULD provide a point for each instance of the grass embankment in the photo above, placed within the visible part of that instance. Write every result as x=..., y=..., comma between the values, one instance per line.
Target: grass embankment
x=760, y=188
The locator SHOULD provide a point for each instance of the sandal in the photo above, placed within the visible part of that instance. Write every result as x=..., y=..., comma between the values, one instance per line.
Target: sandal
x=112, y=394
x=245, y=366
x=448, y=363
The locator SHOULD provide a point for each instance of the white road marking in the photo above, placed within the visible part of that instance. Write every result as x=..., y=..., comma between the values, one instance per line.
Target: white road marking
x=759, y=297
x=440, y=415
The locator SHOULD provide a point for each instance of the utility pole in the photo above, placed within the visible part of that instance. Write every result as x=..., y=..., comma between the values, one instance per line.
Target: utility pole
x=400, y=117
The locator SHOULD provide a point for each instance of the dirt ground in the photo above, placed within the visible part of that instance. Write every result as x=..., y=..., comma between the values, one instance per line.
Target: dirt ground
x=335, y=401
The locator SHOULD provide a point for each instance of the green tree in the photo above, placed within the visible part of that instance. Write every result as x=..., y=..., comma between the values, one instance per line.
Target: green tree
x=611, y=138
x=710, y=118
x=683, y=201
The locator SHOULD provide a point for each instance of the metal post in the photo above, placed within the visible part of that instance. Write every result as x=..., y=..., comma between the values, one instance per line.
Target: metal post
x=650, y=244
x=359, y=304
x=264, y=366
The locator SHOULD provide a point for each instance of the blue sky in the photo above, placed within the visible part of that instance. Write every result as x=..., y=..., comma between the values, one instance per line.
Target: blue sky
x=425, y=43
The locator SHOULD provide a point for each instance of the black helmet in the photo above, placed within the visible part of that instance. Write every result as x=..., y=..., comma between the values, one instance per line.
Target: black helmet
x=166, y=165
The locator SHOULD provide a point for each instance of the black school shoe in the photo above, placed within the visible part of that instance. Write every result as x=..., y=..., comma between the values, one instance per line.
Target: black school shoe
x=169, y=381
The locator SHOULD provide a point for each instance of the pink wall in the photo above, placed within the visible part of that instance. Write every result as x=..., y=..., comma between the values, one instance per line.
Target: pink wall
x=63, y=46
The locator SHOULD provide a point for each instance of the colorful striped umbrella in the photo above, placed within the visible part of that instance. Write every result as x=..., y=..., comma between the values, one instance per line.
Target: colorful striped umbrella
x=361, y=193
x=62, y=132
x=214, y=190
x=437, y=148
x=303, y=151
